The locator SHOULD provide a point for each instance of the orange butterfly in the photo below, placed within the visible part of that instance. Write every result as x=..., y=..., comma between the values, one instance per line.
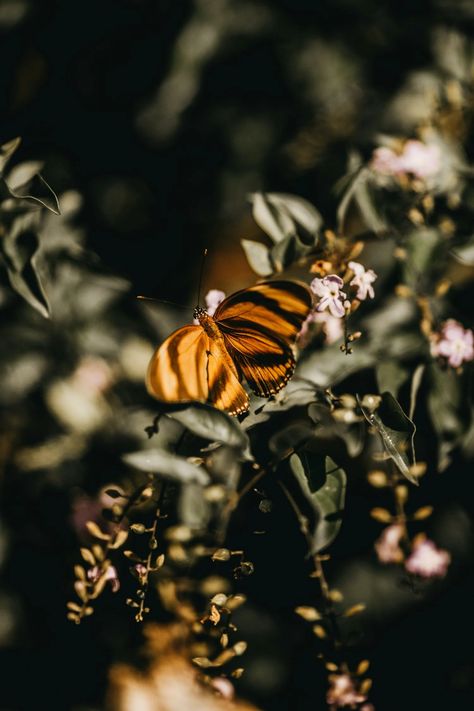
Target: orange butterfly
x=250, y=335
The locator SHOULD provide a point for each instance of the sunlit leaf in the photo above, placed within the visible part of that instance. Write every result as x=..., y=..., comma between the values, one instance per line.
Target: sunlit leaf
x=168, y=465
x=258, y=256
x=211, y=424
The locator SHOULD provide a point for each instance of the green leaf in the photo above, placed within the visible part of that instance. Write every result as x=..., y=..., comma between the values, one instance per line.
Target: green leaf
x=326, y=497
x=212, y=424
x=416, y=379
x=275, y=224
x=448, y=400
x=424, y=246
x=20, y=251
x=397, y=432
x=6, y=152
x=464, y=253
x=359, y=193
x=36, y=190
x=258, y=256
x=281, y=215
x=390, y=376
x=170, y=466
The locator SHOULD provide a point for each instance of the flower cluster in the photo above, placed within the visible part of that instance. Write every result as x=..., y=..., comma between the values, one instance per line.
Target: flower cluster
x=333, y=303
x=425, y=559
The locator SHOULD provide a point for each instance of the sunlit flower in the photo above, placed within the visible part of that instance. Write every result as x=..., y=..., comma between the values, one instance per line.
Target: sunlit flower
x=454, y=343
x=417, y=158
x=427, y=560
x=363, y=280
x=93, y=574
x=213, y=298
x=387, y=545
x=342, y=692
x=330, y=294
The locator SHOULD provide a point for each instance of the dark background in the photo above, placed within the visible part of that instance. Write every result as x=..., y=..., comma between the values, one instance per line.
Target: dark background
x=276, y=93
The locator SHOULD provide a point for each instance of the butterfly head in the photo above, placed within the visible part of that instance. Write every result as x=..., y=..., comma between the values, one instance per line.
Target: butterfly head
x=199, y=313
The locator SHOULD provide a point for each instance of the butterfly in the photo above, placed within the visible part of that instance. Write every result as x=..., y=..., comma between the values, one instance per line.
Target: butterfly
x=251, y=335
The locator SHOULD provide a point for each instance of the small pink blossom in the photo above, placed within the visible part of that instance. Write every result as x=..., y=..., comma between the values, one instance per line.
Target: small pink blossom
x=342, y=692
x=363, y=280
x=454, y=343
x=93, y=574
x=330, y=294
x=417, y=158
x=387, y=545
x=141, y=571
x=332, y=328
x=420, y=159
x=93, y=376
x=224, y=687
x=427, y=560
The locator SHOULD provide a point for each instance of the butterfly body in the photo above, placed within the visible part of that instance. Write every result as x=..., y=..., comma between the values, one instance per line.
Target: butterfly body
x=251, y=336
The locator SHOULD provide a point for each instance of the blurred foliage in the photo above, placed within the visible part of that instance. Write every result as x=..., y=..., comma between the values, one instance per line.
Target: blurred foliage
x=251, y=129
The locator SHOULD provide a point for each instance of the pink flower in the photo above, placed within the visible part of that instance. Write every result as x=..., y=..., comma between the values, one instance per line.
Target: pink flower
x=417, y=158
x=427, y=560
x=420, y=159
x=213, y=299
x=342, y=692
x=224, y=687
x=454, y=343
x=93, y=376
x=330, y=294
x=385, y=161
x=332, y=328
x=93, y=574
x=363, y=279
x=387, y=546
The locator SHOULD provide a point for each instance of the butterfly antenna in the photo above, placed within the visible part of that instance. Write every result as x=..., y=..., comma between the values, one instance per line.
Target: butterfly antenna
x=161, y=301
x=201, y=271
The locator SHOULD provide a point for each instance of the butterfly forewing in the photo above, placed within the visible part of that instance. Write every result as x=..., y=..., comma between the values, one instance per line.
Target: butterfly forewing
x=259, y=326
x=279, y=307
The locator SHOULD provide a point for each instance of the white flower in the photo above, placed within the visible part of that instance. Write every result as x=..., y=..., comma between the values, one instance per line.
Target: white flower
x=331, y=296
x=213, y=299
x=427, y=560
x=363, y=280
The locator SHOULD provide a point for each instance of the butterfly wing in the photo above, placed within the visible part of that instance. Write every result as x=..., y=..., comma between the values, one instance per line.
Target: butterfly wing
x=260, y=325
x=189, y=366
